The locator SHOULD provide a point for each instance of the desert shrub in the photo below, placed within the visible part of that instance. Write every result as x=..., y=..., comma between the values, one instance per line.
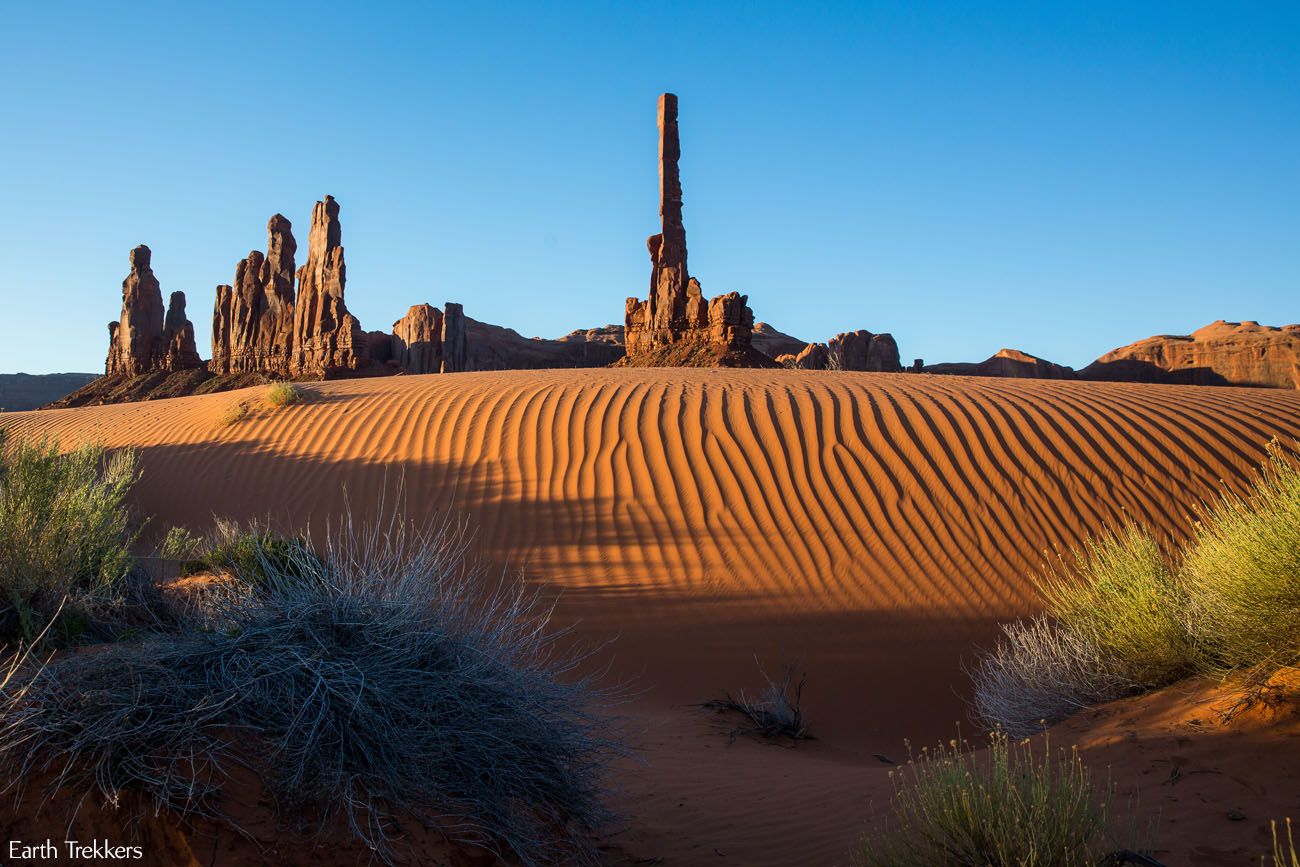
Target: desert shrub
x=1015, y=806
x=392, y=689
x=235, y=413
x=1284, y=854
x=777, y=712
x=254, y=553
x=1110, y=628
x=65, y=534
x=283, y=393
x=1242, y=573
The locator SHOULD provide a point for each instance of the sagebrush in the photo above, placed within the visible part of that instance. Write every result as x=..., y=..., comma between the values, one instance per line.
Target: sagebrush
x=66, y=533
x=390, y=688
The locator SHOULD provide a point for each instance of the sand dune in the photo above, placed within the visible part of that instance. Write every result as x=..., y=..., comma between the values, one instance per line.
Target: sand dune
x=847, y=491
x=871, y=528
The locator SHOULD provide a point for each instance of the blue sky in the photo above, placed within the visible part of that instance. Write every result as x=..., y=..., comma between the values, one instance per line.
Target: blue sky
x=1061, y=178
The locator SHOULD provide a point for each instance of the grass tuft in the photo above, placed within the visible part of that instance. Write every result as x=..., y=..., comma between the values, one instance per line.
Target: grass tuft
x=283, y=394
x=235, y=413
x=1015, y=806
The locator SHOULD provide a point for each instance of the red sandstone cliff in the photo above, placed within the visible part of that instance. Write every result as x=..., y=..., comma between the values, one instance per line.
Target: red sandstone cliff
x=1221, y=353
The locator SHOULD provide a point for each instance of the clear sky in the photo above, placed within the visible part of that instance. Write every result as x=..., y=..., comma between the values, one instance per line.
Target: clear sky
x=1061, y=178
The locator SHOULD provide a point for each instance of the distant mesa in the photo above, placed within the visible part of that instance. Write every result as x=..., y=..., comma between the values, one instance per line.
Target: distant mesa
x=1010, y=363
x=1221, y=353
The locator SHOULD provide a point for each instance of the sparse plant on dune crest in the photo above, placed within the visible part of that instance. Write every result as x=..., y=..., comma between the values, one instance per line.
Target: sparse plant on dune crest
x=283, y=394
x=394, y=686
x=235, y=413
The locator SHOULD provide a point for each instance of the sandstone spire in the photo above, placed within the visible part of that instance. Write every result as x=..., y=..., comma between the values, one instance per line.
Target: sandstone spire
x=253, y=320
x=145, y=339
x=326, y=337
x=677, y=324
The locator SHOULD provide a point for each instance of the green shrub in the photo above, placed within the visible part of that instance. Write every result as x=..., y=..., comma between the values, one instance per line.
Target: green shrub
x=283, y=393
x=1121, y=595
x=1110, y=627
x=253, y=554
x=1013, y=807
x=65, y=534
x=1242, y=573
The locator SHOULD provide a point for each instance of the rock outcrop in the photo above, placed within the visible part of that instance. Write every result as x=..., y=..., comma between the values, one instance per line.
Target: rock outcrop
x=145, y=339
x=253, y=320
x=772, y=343
x=1221, y=353
x=326, y=337
x=852, y=350
x=417, y=340
x=455, y=357
x=1006, y=362
x=676, y=325
x=492, y=347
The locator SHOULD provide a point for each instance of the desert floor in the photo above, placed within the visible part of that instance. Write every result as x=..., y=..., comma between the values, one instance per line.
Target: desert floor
x=870, y=529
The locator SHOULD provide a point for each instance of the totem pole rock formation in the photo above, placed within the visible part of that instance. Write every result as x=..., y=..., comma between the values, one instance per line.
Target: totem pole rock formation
x=417, y=340
x=253, y=321
x=677, y=325
x=326, y=337
x=145, y=339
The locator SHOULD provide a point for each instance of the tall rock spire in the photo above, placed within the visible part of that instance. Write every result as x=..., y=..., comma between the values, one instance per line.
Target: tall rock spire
x=253, y=320
x=145, y=339
x=326, y=336
x=677, y=325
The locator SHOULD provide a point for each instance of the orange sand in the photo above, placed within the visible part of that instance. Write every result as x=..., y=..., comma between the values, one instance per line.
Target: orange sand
x=871, y=528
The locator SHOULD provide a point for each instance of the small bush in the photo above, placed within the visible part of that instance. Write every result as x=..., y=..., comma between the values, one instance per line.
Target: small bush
x=255, y=554
x=1014, y=807
x=65, y=534
x=1242, y=573
x=235, y=413
x=389, y=690
x=777, y=713
x=1110, y=628
x=282, y=394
